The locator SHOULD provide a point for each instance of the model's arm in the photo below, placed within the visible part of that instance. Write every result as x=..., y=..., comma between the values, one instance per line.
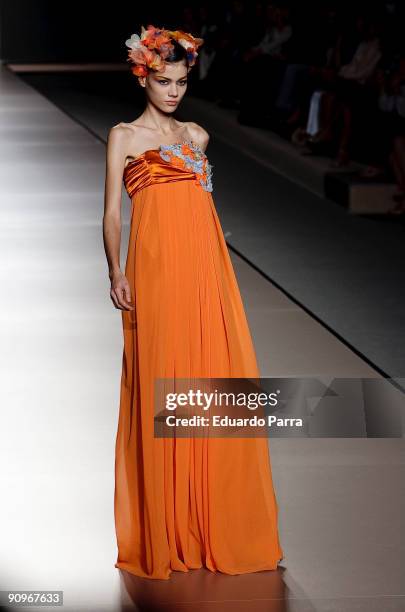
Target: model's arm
x=120, y=292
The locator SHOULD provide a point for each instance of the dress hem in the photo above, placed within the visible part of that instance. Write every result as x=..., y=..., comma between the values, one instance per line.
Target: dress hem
x=266, y=567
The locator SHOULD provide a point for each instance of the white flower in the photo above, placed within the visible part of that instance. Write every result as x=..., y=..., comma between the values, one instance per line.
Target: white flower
x=134, y=42
x=184, y=43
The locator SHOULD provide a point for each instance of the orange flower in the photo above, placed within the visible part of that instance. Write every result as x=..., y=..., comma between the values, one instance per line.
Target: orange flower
x=154, y=38
x=139, y=70
x=146, y=57
x=185, y=39
x=152, y=47
x=185, y=149
x=157, y=62
x=178, y=161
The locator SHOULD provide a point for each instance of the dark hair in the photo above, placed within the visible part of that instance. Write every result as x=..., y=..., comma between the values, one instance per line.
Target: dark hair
x=177, y=54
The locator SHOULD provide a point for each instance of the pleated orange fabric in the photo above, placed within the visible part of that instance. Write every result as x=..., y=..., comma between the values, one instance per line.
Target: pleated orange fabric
x=185, y=503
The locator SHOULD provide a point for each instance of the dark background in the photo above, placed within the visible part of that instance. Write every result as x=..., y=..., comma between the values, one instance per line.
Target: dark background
x=48, y=31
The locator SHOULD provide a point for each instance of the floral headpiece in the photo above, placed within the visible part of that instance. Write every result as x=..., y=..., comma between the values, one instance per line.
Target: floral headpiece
x=149, y=50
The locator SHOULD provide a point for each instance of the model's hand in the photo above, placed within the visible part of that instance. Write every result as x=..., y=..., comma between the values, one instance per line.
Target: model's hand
x=120, y=292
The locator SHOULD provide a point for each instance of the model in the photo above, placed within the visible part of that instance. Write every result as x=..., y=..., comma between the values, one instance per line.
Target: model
x=191, y=502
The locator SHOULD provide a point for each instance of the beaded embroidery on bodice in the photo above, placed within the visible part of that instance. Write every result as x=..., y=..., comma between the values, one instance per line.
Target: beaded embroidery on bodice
x=189, y=155
x=183, y=160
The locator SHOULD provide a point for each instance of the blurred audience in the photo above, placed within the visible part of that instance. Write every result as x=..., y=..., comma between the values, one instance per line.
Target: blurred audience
x=328, y=76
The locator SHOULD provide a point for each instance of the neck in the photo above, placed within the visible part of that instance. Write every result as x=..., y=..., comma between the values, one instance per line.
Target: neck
x=158, y=120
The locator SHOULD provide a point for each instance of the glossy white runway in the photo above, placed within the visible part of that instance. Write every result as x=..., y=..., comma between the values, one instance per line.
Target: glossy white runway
x=60, y=357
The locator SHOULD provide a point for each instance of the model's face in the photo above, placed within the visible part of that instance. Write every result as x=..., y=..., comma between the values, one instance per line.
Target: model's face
x=165, y=89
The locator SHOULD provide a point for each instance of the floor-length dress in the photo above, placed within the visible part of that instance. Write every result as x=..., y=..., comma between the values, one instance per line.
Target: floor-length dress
x=185, y=503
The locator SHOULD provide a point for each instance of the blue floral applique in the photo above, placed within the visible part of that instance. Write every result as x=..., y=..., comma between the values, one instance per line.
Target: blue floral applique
x=189, y=155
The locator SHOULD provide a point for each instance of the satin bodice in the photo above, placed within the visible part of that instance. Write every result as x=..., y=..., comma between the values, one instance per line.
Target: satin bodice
x=182, y=161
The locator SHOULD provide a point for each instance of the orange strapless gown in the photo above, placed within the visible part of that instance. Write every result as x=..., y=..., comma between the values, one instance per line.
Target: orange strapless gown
x=187, y=502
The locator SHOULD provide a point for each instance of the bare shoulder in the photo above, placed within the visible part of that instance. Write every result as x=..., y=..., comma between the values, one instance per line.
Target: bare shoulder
x=123, y=138
x=198, y=134
x=116, y=139
x=121, y=132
